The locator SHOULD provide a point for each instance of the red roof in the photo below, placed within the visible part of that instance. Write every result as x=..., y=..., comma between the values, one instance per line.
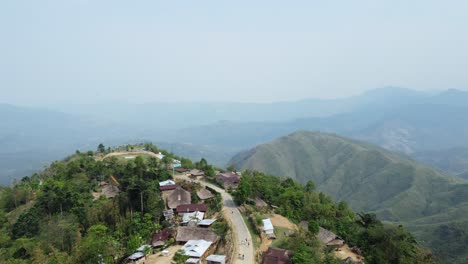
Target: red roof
x=168, y=187
x=277, y=256
x=161, y=236
x=181, y=169
x=189, y=208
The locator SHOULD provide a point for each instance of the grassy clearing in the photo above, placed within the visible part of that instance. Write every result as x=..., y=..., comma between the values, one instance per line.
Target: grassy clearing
x=122, y=160
x=280, y=236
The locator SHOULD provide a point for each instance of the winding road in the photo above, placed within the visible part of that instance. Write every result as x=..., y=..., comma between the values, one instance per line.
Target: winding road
x=241, y=235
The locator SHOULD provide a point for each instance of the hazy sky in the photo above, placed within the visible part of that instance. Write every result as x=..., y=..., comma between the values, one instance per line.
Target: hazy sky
x=80, y=51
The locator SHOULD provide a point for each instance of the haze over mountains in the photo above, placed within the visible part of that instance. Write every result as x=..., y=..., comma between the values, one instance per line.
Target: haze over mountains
x=430, y=127
x=372, y=179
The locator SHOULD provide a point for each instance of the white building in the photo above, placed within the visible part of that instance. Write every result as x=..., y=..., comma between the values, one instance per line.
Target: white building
x=195, y=216
x=167, y=183
x=268, y=228
x=196, y=248
x=216, y=259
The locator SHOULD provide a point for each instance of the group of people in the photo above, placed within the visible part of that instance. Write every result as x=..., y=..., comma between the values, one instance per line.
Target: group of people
x=244, y=242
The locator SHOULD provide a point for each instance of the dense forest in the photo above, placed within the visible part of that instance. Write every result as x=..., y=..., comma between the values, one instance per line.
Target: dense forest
x=51, y=216
x=379, y=242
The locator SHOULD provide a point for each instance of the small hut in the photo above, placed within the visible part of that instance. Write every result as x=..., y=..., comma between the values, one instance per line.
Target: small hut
x=204, y=194
x=161, y=237
x=269, y=229
x=196, y=173
x=329, y=238
x=277, y=256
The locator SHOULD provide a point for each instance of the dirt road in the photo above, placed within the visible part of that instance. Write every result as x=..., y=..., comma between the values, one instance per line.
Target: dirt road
x=243, y=239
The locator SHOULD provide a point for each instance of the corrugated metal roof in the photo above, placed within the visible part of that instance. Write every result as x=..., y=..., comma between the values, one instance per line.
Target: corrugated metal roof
x=207, y=222
x=267, y=225
x=196, y=248
x=217, y=258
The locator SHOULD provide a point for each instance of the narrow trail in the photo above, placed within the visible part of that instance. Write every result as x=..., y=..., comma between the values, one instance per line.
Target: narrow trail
x=242, y=239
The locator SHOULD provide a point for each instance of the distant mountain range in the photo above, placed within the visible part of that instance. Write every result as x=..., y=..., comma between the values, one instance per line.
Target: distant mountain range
x=373, y=179
x=428, y=127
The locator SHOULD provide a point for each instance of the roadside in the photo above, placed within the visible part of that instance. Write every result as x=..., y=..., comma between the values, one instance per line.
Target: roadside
x=243, y=253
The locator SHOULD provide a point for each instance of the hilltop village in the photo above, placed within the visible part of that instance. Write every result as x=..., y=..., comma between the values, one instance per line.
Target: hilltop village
x=140, y=204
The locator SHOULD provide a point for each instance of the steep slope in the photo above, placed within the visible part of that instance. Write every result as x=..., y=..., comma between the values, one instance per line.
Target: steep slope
x=433, y=205
x=369, y=178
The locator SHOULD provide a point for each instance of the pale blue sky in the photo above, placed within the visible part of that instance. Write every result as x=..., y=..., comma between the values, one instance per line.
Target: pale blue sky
x=88, y=51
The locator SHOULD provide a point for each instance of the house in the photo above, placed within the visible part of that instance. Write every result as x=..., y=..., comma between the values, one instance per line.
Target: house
x=204, y=194
x=168, y=182
x=181, y=170
x=329, y=238
x=143, y=248
x=228, y=179
x=190, y=208
x=186, y=233
x=192, y=261
x=136, y=256
x=216, y=259
x=206, y=222
x=197, y=248
x=161, y=237
x=196, y=173
x=268, y=228
x=195, y=217
x=177, y=197
x=168, y=185
x=140, y=253
x=159, y=155
x=176, y=163
x=277, y=256
x=166, y=188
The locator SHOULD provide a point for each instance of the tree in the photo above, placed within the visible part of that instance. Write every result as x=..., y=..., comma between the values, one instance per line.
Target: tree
x=244, y=190
x=368, y=220
x=27, y=224
x=60, y=233
x=180, y=257
x=202, y=164
x=221, y=229
x=186, y=163
x=310, y=186
x=98, y=245
x=101, y=148
x=314, y=227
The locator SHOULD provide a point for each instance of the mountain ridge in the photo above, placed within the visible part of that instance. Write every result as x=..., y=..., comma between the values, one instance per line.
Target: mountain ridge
x=371, y=179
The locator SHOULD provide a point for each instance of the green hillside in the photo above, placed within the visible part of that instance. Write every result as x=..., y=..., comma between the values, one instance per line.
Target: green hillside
x=369, y=178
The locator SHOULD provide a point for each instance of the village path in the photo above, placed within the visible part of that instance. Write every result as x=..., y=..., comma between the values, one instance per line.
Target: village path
x=243, y=240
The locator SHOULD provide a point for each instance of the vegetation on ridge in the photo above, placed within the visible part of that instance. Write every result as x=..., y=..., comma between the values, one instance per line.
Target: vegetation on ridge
x=380, y=243
x=51, y=217
x=371, y=179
